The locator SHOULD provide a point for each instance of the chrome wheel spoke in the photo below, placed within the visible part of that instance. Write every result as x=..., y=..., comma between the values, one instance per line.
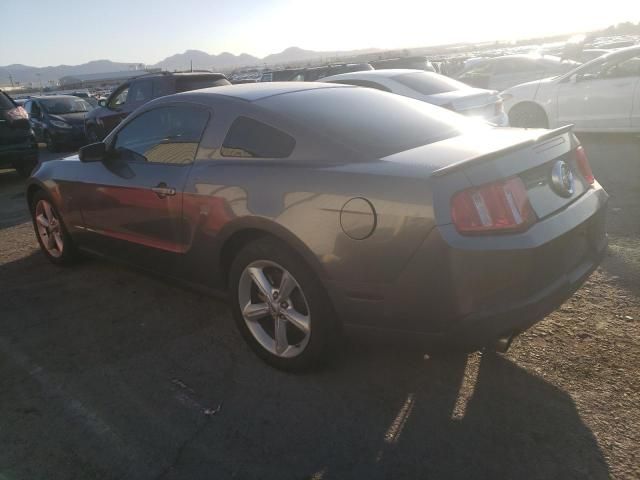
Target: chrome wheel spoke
x=47, y=212
x=57, y=237
x=297, y=319
x=42, y=221
x=262, y=282
x=287, y=286
x=280, y=336
x=255, y=311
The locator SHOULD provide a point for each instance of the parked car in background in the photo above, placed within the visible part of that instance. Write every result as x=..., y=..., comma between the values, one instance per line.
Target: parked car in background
x=411, y=63
x=135, y=93
x=311, y=74
x=500, y=73
x=431, y=88
x=18, y=147
x=602, y=95
x=58, y=120
x=314, y=206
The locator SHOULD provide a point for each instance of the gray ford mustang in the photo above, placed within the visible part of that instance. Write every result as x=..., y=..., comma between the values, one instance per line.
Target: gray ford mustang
x=314, y=206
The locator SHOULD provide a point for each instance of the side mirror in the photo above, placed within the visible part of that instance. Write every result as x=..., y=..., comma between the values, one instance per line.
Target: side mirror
x=102, y=102
x=94, y=152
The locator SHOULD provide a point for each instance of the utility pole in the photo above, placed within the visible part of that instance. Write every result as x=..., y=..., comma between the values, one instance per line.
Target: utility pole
x=39, y=75
x=11, y=80
x=191, y=65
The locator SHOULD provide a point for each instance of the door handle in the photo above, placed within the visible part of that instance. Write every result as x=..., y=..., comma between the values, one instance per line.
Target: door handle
x=162, y=190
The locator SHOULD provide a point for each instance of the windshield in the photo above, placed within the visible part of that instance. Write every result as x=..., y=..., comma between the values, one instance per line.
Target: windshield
x=369, y=121
x=429, y=83
x=60, y=106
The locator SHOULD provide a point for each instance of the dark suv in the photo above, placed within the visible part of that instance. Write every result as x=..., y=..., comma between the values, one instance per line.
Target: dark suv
x=18, y=147
x=138, y=91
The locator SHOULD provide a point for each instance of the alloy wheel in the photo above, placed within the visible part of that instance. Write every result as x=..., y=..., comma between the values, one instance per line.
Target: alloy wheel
x=274, y=308
x=49, y=228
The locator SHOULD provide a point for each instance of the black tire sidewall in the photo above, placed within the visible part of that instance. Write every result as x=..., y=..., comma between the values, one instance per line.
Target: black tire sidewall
x=51, y=144
x=324, y=325
x=528, y=116
x=69, y=255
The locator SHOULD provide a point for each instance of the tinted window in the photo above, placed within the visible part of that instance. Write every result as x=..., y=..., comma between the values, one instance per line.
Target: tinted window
x=429, y=83
x=119, y=98
x=139, y=92
x=5, y=102
x=250, y=138
x=161, y=87
x=184, y=84
x=63, y=105
x=163, y=135
x=374, y=123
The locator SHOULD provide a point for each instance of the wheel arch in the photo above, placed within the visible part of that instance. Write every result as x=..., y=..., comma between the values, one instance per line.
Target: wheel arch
x=233, y=238
x=530, y=104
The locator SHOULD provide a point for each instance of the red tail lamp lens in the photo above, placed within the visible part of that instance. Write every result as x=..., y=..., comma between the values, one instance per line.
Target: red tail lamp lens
x=497, y=207
x=583, y=165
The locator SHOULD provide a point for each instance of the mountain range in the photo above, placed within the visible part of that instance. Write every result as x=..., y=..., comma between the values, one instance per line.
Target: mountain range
x=18, y=73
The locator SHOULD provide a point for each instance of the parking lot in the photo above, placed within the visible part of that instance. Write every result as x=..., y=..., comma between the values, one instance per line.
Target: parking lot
x=106, y=372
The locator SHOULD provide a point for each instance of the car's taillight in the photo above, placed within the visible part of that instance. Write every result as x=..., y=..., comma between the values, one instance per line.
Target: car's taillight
x=17, y=113
x=497, y=207
x=583, y=165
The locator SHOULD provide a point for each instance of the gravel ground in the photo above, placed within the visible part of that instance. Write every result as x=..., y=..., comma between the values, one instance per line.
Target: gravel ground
x=108, y=373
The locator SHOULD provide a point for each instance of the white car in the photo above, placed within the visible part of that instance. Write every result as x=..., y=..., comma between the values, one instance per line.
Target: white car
x=503, y=72
x=431, y=88
x=602, y=95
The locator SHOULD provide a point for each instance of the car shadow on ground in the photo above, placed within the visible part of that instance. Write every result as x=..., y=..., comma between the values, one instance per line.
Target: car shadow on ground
x=108, y=373
x=13, y=207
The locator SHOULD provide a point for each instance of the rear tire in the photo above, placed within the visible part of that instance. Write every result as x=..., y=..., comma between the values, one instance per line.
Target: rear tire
x=55, y=242
x=302, y=314
x=528, y=115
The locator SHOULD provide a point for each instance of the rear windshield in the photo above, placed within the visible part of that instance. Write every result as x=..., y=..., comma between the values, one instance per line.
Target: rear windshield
x=371, y=122
x=185, y=84
x=429, y=83
x=5, y=102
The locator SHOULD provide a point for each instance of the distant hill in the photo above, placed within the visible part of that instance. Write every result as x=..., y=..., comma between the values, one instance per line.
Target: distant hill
x=225, y=61
x=25, y=74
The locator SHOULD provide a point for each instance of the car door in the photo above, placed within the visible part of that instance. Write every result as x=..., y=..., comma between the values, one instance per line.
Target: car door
x=132, y=207
x=115, y=111
x=600, y=96
x=140, y=92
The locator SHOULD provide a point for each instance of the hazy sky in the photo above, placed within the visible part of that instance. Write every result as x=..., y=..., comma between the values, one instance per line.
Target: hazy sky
x=49, y=32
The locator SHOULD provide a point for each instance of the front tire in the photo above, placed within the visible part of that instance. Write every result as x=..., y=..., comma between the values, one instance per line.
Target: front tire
x=25, y=167
x=55, y=242
x=280, y=307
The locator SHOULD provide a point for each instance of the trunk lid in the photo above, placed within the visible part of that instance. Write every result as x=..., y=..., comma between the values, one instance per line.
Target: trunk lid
x=486, y=156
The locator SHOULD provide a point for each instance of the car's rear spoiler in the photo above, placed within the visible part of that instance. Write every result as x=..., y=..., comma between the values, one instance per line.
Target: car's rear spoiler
x=491, y=156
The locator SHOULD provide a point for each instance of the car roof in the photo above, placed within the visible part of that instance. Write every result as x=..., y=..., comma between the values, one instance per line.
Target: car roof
x=251, y=92
x=364, y=74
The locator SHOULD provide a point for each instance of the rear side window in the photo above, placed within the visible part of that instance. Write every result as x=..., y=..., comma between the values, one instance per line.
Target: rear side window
x=164, y=135
x=253, y=139
x=5, y=102
x=185, y=84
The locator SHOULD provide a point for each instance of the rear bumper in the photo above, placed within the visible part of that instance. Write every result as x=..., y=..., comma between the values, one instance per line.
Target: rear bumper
x=475, y=289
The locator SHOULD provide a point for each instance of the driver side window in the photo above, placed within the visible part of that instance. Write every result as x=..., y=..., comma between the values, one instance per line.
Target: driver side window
x=120, y=98
x=164, y=135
